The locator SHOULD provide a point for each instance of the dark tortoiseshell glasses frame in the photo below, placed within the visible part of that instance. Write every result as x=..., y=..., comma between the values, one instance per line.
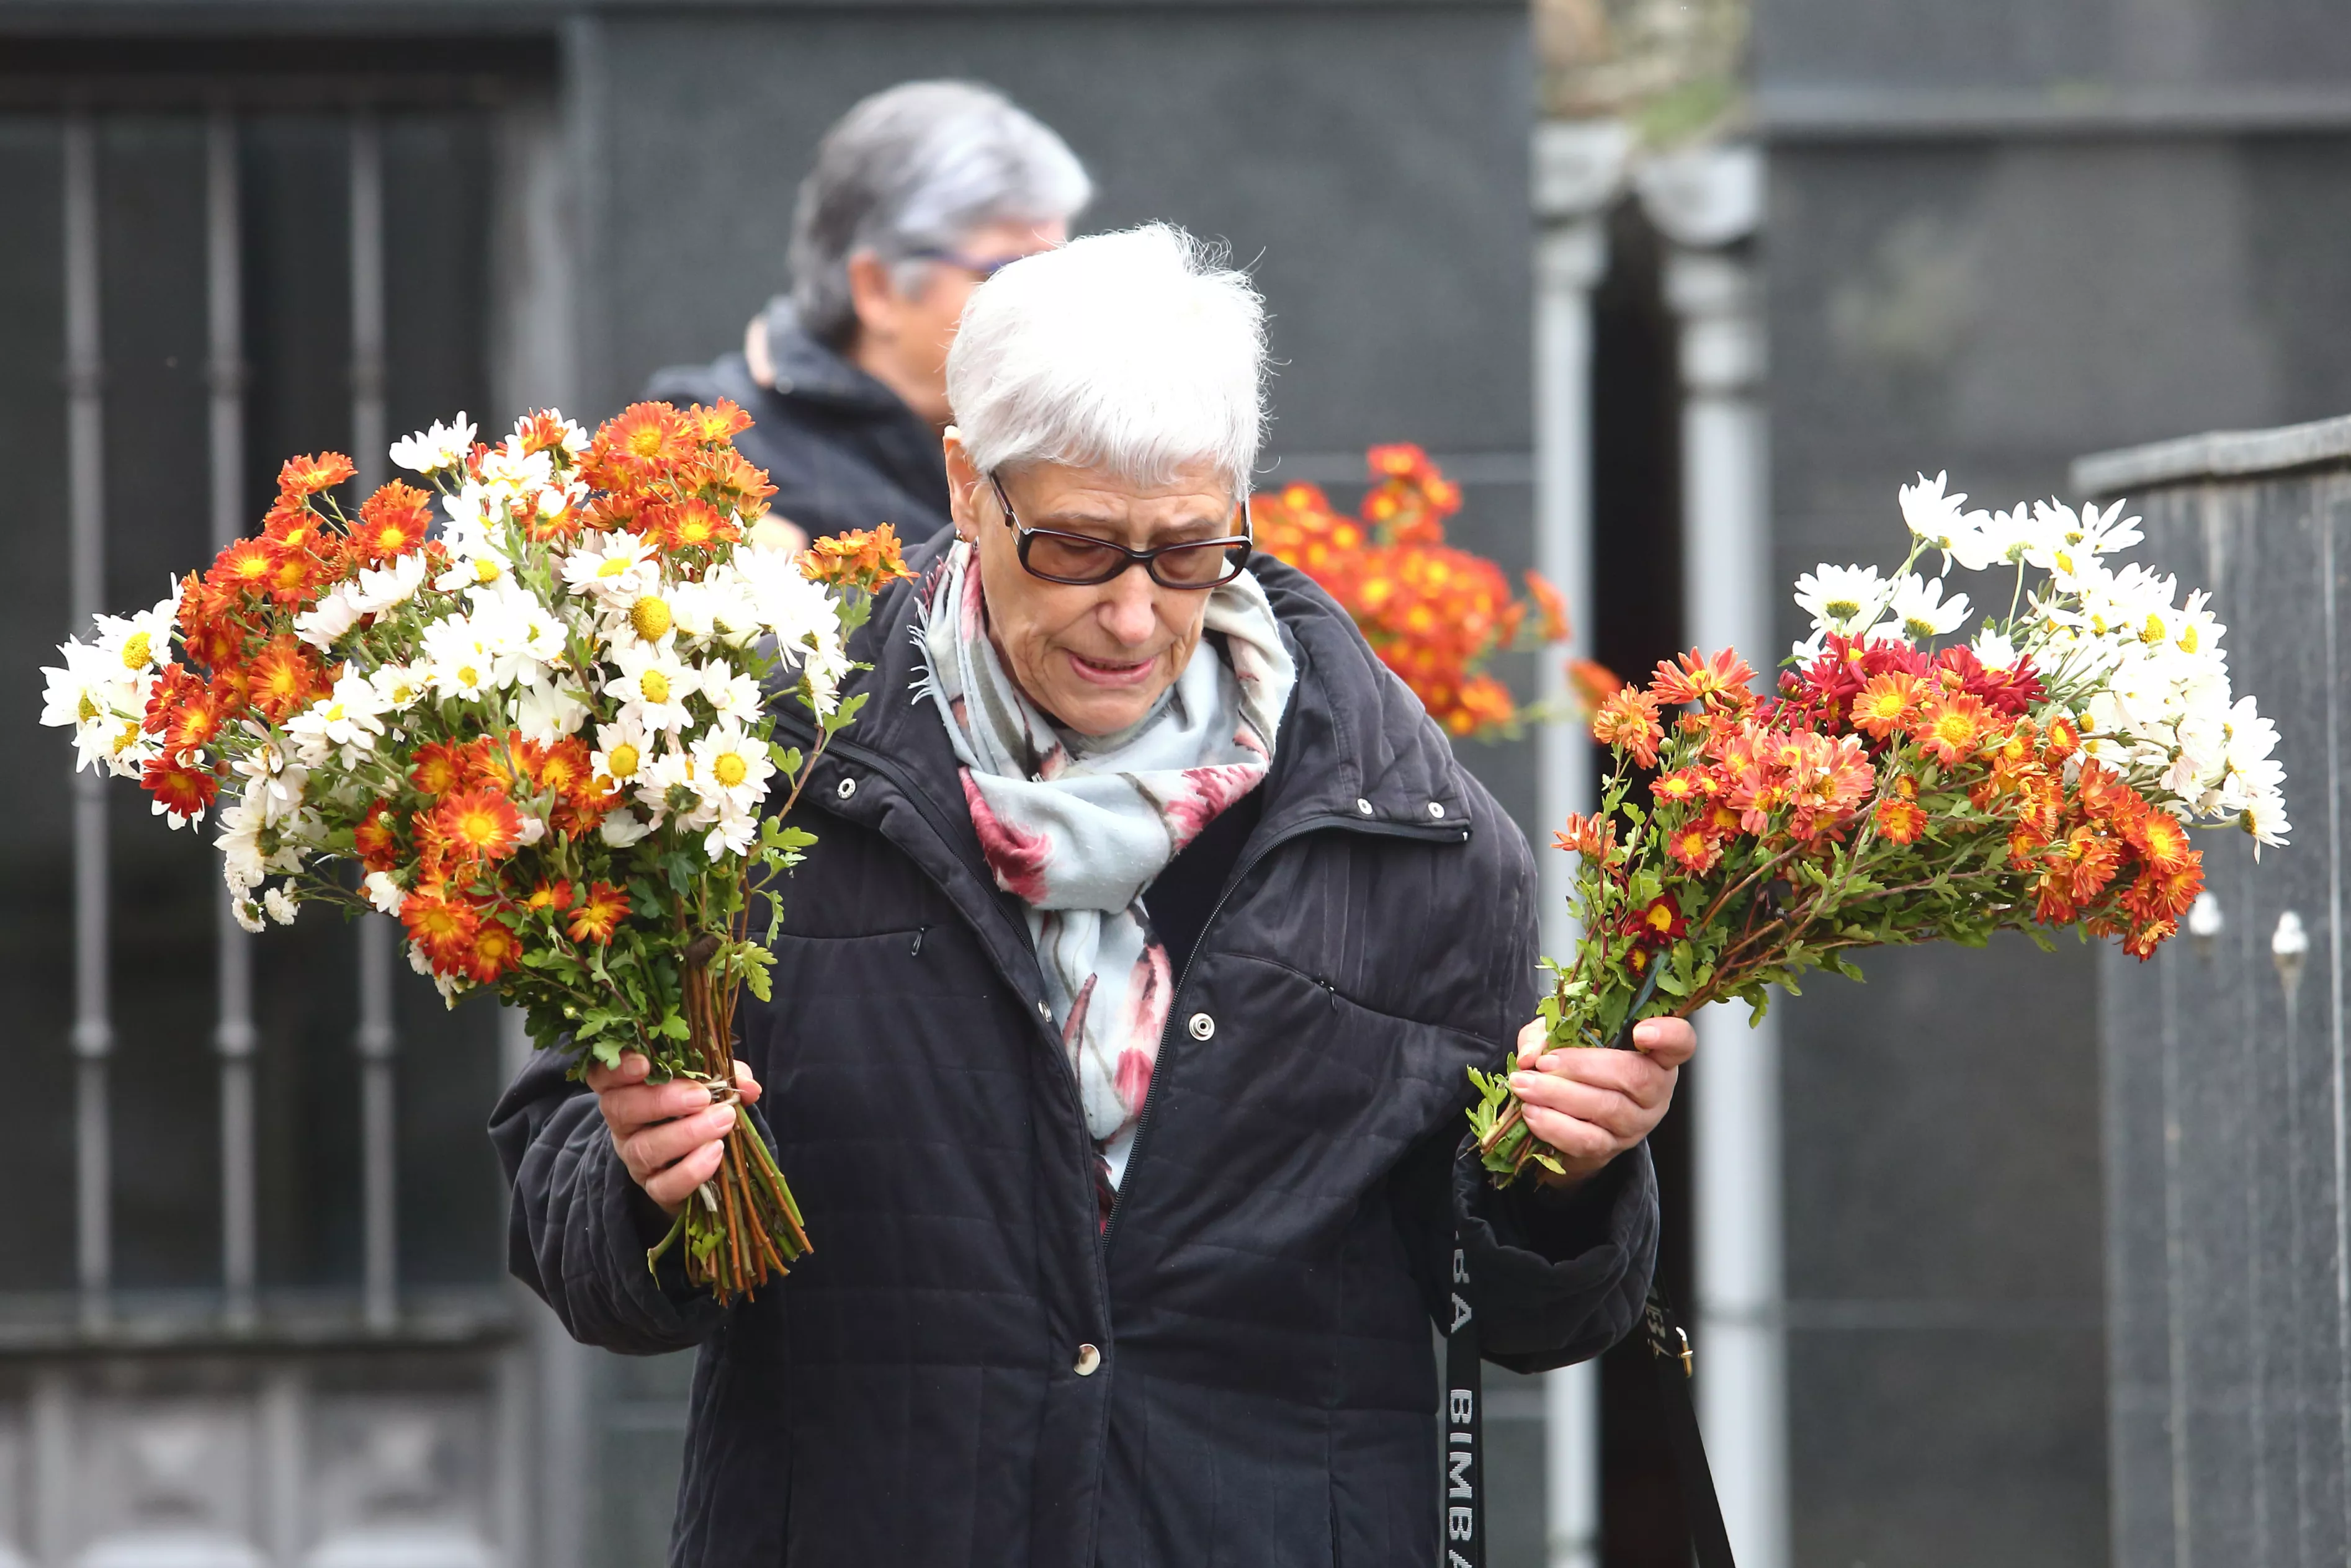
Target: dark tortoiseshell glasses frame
x=1069, y=550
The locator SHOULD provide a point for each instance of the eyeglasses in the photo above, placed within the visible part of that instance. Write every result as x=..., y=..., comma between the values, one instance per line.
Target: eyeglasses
x=982, y=270
x=1081, y=560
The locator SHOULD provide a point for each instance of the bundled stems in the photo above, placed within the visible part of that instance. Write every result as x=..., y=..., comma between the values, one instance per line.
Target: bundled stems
x=742, y=1227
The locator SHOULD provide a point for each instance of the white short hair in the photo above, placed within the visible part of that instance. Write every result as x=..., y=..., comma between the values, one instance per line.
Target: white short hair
x=1139, y=351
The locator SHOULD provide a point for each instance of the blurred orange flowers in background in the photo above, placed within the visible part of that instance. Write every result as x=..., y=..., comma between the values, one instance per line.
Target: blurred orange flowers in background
x=1435, y=614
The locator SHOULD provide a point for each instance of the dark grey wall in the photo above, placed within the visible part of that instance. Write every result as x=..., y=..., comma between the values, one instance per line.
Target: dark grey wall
x=1995, y=284
x=2225, y=1092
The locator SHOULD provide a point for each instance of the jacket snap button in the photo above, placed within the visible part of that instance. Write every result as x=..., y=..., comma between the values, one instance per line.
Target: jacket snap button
x=1202, y=1026
x=1088, y=1359
x=1363, y=807
x=845, y=788
x=1437, y=807
x=1045, y=1011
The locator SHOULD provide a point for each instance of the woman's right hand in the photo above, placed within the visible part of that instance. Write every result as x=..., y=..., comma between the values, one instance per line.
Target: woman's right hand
x=669, y=1136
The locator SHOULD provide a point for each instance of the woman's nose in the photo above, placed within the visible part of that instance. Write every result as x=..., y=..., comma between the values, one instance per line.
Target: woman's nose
x=1130, y=609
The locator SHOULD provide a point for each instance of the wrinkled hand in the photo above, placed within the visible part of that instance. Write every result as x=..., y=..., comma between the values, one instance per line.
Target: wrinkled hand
x=669, y=1136
x=1590, y=1106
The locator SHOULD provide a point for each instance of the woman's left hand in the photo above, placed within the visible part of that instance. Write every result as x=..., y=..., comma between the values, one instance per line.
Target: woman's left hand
x=1590, y=1106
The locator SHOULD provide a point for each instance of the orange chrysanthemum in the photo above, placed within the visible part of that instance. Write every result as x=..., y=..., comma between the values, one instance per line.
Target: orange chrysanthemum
x=244, y=564
x=864, y=557
x=1551, y=608
x=478, y=824
x=1682, y=784
x=1628, y=721
x=1899, y=821
x=376, y=838
x=690, y=523
x=442, y=925
x=2161, y=843
x=1694, y=849
x=439, y=766
x=722, y=421
x=1692, y=677
x=307, y=476
x=1952, y=726
x=283, y=678
x=1593, y=836
x=600, y=912
x=494, y=950
x=637, y=445
x=550, y=896
x=1885, y=703
x=392, y=522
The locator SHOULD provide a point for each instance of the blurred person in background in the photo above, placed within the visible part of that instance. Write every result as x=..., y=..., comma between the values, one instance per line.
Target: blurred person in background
x=919, y=194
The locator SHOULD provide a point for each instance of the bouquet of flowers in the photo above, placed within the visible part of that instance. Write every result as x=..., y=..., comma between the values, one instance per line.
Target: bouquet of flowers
x=1434, y=614
x=540, y=738
x=1904, y=786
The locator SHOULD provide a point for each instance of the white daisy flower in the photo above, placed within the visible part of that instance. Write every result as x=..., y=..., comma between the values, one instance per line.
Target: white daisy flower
x=382, y=891
x=347, y=721
x=621, y=754
x=1847, y=599
x=616, y=571
x=444, y=446
x=1920, y=610
x=653, y=686
x=730, y=767
x=281, y=905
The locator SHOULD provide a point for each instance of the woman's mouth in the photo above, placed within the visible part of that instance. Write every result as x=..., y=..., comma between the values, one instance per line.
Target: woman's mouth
x=1111, y=672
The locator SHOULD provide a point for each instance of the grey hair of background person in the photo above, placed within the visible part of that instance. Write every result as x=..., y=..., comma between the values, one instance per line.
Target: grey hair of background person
x=918, y=167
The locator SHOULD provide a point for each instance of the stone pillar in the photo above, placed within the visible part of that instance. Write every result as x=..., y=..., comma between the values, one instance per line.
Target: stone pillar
x=1579, y=170
x=2224, y=1070
x=1709, y=203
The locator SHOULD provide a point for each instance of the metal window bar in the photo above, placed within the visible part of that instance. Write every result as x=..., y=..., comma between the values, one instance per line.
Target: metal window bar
x=375, y=1039
x=233, y=1038
x=93, y=1031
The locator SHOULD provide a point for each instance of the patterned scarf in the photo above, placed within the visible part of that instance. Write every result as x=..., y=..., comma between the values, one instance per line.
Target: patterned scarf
x=1078, y=826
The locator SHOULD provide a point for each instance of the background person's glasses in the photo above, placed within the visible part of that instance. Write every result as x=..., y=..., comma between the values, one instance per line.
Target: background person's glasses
x=982, y=270
x=1081, y=560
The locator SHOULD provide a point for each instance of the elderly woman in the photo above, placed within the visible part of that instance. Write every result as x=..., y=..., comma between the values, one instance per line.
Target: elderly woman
x=1121, y=1021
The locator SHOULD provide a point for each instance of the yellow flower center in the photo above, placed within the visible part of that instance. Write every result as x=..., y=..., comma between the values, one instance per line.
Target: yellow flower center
x=621, y=762
x=651, y=617
x=654, y=685
x=2153, y=633
x=614, y=566
x=486, y=570
x=1842, y=609
x=87, y=710
x=730, y=769
x=2188, y=640
x=122, y=742
x=138, y=650
x=468, y=676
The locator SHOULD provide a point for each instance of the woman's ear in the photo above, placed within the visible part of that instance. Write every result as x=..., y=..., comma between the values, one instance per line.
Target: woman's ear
x=962, y=485
x=873, y=296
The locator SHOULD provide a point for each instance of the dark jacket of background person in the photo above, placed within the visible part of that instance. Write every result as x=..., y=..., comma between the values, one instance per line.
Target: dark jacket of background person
x=1262, y=1297
x=841, y=449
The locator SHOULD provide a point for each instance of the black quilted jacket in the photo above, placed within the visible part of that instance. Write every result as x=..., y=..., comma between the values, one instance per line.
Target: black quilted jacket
x=1263, y=1385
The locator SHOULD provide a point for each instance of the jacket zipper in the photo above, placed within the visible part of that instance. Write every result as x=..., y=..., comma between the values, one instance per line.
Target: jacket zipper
x=1163, y=1063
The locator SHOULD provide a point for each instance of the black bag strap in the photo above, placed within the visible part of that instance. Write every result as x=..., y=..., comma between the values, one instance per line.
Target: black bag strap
x=1465, y=1428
